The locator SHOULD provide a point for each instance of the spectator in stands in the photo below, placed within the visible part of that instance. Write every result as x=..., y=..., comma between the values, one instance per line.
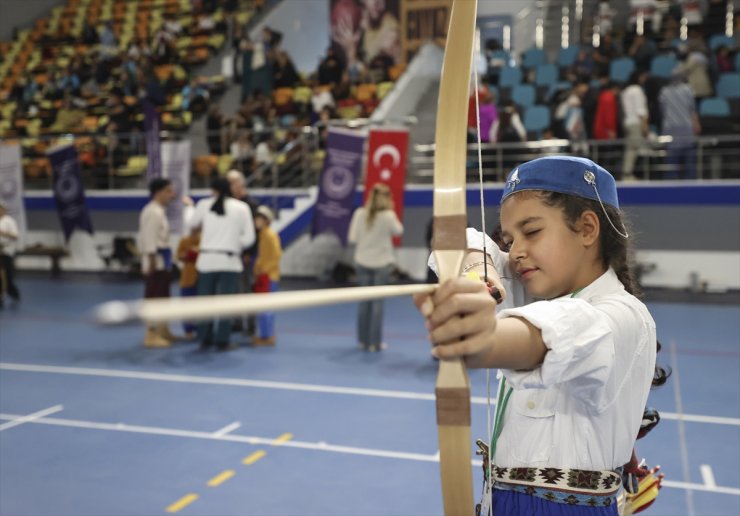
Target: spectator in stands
x=488, y=114
x=508, y=126
x=284, y=73
x=262, y=64
x=88, y=35
x=606, y=120
x=321, y=98
x=604, y=54
x=8, y=242
x=238, y=189
x=681, y=122
x=214, y=125
x=696, y=69
x=379, y=68
x=569, y=115
x=583, y=66
x=604, y=16
x=635, y=118
x=263, y=154
x=227, y=229
x=242, y=150
x=108, y=42
x=642, y=50
x=724, y=60
x=330, y=69
x=266, y=272
x=156, y=255
x=67, y=83
x=195, y=96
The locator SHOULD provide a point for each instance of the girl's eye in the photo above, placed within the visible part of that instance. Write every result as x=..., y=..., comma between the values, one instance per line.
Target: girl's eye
x=532, y=232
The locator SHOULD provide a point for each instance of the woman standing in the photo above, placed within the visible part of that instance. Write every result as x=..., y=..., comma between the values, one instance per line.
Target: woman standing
x=226, y=230
x=372, y=230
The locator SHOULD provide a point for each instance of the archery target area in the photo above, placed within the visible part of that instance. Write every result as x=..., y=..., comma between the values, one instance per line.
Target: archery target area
x=92, y=423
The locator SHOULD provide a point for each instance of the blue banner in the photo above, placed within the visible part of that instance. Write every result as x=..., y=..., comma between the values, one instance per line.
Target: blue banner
x=153, y=144
x=69, y=192
x=336, y=200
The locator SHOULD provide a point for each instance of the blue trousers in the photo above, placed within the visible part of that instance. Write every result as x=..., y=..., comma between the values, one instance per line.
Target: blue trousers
x=215, y=283
x=512, y=503
x=266, y=321
x=370, y=313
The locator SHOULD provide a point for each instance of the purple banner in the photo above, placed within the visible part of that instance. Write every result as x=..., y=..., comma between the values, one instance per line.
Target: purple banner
x=68, y=190
x=342, y=167
x=153, y=145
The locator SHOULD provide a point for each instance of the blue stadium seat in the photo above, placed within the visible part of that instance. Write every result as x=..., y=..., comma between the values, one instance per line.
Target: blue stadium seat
x=536, y=119
x=719, y=40
x=533, y=57
x=546, y=75
x=737, y=62
x=621, y=69
x=510, y=76
x=728, y=85
x=714, y=106
x=663, y=65
x=523, y=95
x=567, y=56
x=677, y=42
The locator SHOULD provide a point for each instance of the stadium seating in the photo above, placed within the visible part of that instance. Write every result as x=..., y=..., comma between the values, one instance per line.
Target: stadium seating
x=714, y=106
x=620, y=69
x=728, y=85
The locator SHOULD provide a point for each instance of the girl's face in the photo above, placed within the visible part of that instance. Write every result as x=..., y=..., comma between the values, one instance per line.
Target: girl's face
x=549, y=258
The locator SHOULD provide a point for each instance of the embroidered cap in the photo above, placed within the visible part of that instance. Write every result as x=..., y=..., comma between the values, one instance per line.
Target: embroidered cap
x=565, y=174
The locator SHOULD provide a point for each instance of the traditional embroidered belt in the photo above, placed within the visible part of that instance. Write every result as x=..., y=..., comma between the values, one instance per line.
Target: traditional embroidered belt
x=568, y=486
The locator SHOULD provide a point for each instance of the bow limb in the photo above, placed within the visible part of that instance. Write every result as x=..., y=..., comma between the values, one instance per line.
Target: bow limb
x=450, y=221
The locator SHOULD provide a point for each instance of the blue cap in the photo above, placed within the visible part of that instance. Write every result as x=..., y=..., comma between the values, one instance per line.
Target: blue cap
x=565, y=174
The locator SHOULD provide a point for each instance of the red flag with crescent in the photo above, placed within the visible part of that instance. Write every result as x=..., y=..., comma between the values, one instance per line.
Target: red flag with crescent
x=387, y=150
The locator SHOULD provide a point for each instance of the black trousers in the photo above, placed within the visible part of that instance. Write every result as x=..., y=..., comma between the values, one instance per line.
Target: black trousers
x=7, y=279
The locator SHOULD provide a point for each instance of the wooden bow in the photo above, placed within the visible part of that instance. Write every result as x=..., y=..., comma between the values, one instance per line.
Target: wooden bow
x=449, y=244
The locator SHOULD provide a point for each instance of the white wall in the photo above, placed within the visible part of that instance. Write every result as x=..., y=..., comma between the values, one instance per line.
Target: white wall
x=305, y=28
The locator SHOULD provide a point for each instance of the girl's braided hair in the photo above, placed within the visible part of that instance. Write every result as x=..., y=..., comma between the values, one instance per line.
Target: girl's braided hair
x=616, y=251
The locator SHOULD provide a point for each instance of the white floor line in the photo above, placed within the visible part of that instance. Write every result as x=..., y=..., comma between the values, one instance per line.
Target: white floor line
x=707, y=475
x=265, y=384
x=227, y=429
x=31, y=417
x=681, y=430
x=317, y=446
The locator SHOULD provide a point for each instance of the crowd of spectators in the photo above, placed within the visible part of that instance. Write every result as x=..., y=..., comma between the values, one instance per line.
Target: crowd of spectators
x=589, y=99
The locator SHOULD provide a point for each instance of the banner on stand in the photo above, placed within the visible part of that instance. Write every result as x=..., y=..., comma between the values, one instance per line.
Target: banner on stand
x=69, y=192
x=387, y=150
x=336, y=200
x=176, y=168
x=11, y=186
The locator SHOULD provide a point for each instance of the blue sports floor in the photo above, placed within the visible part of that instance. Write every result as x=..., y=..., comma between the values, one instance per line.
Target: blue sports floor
x=91, y=423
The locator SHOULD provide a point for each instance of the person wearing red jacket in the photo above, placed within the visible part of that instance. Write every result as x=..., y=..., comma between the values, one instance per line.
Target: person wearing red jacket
x=606, y=119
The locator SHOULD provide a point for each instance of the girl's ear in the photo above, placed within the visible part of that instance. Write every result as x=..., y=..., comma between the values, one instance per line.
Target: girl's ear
x=590, y=228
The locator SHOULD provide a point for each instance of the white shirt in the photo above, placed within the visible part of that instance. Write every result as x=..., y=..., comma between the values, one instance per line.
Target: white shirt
x=223, y=238
x=154, y=233
x=374, y=244
x=582, y=408
x=634, y=105
x=7, y=244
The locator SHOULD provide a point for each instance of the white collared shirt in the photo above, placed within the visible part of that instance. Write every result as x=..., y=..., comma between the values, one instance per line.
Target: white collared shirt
x=223, y=238
x=582, y=408
x=7, y=225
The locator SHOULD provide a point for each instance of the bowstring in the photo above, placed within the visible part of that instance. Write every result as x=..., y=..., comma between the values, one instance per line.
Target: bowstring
x=489, y=429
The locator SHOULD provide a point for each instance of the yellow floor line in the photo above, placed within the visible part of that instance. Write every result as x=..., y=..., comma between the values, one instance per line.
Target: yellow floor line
x=284, y=438
x=221, y=478
x=254, y=457
x=182, y=502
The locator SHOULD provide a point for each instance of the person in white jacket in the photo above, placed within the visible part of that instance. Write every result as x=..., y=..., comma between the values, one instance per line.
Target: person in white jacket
x=226, y=230
x=372, y=229
x=578, y=364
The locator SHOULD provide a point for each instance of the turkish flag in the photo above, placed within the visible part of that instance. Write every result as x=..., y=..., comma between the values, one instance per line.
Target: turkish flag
x=387, y=150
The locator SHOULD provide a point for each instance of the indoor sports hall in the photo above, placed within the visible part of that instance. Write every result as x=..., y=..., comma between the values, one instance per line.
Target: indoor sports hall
x=308, y=385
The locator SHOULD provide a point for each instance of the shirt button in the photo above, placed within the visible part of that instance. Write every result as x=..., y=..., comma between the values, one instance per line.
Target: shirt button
x=530, y=404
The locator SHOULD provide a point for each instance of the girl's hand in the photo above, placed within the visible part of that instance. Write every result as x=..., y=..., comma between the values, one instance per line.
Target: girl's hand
x=460, y=317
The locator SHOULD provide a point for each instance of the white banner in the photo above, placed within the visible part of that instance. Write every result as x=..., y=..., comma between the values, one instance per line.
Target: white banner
x=176, y=168
x=11, y=187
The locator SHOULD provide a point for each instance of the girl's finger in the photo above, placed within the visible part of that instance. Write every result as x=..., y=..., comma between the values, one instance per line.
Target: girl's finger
x=462, y=304
x=458, y=328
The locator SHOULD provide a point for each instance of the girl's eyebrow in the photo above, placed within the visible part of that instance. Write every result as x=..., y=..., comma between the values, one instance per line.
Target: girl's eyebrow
x=522, y=223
